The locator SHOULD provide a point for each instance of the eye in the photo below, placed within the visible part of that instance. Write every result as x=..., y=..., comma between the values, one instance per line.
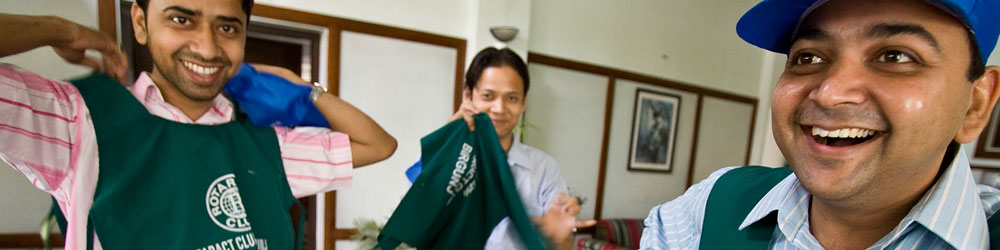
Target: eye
x=513, y=98
x=180, y=20
x=488, y=96
x=894, y=56
x=807, y=58
x=227, y=29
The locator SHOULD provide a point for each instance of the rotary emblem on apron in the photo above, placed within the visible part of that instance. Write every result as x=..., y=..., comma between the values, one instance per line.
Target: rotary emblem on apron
x=225, y=206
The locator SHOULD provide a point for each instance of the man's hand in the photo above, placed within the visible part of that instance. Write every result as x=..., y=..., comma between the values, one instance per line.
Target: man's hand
x=69, y=40
x=559, y=221
x=465, y=112
x=78, y=39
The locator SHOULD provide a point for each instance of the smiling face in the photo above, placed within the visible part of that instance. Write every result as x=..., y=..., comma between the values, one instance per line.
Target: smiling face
x=500, y=94
x=870, y=98
x=197, y=46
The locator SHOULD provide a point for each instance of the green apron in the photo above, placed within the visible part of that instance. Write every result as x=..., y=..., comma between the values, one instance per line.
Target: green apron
x=168, y=185
x=464, y=190
x=733, y=196
x=738, y=191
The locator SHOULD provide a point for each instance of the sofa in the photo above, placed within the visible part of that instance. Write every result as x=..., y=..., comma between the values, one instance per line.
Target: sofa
x=613, y=234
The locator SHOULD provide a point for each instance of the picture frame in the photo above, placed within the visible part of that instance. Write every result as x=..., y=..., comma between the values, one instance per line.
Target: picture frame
x=988, y=146
x=654, y=131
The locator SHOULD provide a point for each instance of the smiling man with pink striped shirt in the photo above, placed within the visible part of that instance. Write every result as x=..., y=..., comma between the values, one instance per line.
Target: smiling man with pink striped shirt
x=170, y=157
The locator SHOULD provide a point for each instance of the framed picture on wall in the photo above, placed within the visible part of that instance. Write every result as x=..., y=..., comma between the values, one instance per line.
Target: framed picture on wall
x=654, y=129
x=989, y=141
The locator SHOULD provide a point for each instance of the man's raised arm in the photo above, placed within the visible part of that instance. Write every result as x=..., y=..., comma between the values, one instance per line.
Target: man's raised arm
x=68, y=39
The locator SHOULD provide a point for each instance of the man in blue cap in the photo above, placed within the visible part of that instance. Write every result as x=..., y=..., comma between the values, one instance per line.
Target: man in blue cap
x=870, y=112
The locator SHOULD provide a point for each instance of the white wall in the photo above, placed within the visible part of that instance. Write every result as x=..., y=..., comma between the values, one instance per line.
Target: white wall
x=698, y=38
x=445, y=17
x=565, y=113
x=690, y=41
x=406, y=88
x=24, y=206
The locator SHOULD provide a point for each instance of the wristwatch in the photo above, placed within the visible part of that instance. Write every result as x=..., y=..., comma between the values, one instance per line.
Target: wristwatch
x=317, y=90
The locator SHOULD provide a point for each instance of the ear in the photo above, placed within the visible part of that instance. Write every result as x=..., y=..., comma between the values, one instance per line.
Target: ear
x=984, y=96
x=139, y=24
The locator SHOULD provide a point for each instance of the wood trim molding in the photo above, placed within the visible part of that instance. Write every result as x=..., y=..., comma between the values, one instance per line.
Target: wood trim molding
x=27, y=240
x=603, y=165
x=620, y=74
x=459, y=80
x=330, y=220
x=106, y=18
x=337, y=25
x=694, y=141
x=333, y=55
x=344, y=233
x=753, y=126
x=984, y=140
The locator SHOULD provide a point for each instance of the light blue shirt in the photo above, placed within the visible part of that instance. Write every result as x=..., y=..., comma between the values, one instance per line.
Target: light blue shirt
x=538, y=182
x=951, y=215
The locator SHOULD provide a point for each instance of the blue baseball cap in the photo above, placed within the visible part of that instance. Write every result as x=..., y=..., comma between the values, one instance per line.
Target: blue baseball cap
x=771, y=23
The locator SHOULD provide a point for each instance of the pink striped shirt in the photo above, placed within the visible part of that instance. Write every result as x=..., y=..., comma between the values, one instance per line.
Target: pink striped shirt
x=48, y=136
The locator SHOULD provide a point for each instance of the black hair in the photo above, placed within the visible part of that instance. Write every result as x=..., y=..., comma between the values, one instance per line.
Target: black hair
x=493, y=57
x=247, y=6
x=976, y=65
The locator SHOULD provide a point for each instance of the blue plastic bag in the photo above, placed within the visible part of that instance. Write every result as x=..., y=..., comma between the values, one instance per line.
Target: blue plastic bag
x=270, y=100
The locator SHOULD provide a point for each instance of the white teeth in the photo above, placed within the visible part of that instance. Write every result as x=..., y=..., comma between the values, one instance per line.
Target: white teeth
x=201, y=70
x=842, y=133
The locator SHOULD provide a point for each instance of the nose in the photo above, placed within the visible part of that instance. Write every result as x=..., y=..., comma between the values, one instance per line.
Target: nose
x=842, y=84
x=498, y=106
x=204, y=43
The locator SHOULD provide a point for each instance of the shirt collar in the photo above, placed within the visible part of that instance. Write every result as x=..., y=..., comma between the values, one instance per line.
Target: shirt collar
x=517, y=156
x=150, y=96
x=951, y=208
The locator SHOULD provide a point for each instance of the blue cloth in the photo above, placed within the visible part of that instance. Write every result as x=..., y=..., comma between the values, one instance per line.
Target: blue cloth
x=951, y=215
x=270, y=100
x=538, y=182
x=414, y=171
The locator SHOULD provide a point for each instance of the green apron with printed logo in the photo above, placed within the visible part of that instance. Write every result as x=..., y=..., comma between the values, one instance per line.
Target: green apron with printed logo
x=168, y=185
x=465, y=189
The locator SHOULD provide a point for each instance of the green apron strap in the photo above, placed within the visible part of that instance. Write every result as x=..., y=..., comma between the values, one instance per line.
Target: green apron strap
x=730, y=201
x=301, y=237
x=90, y=234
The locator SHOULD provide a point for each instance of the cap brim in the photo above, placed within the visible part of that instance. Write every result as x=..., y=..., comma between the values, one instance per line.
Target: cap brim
x=770, y=24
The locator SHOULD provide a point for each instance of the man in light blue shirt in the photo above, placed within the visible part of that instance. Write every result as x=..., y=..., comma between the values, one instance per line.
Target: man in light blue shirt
x=496, y=84
x=875, y=100
x=539, y=182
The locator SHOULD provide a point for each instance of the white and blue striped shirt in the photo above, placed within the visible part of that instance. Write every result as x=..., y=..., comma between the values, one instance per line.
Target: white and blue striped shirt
x=951, y=215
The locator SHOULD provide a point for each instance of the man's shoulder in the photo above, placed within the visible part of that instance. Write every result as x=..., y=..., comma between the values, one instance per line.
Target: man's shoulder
x=990, y=198
x=522, y=152
x=15, y=73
